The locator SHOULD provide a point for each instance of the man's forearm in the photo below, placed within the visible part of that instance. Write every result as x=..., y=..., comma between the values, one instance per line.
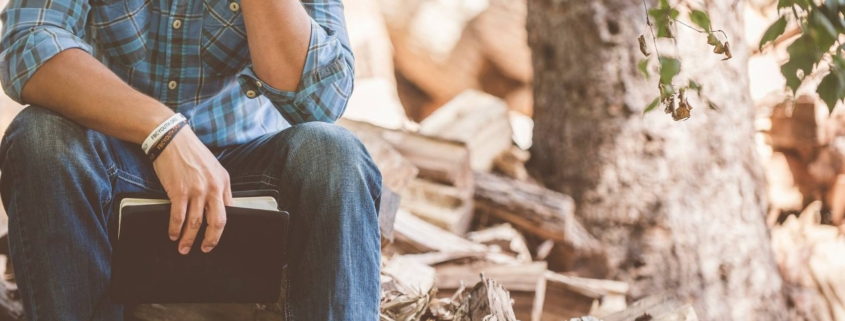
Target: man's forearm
x=279, y=34
x=76, y=85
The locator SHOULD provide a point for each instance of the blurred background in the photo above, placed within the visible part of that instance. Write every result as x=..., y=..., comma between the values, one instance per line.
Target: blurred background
x=513, y=141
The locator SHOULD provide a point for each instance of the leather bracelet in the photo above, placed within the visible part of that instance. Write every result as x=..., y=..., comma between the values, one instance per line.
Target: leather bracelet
x=165, y=140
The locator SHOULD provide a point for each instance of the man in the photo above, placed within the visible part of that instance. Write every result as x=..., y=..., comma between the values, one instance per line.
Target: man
x=259, y=82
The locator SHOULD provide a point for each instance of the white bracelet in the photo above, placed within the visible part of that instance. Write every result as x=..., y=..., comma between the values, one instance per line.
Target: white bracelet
x=160, y=130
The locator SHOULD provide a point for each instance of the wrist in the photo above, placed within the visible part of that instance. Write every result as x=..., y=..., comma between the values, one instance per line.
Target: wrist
x=165, y=139
x=163, y=128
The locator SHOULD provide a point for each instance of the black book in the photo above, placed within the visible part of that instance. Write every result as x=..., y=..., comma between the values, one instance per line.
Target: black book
x=245, y=266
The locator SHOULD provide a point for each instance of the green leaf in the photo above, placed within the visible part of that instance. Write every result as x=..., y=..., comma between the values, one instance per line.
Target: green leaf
x=802, y=56
x=669, y=68
x=701, y=19
x=652, y=105
x=695, y=86
x=664, y=4
x=831, y=89
x=643, y=67
x=774, y=31
x=822, y=30
x=713, y=40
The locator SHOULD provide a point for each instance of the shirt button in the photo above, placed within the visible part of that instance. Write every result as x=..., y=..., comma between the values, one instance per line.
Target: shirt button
x=234, y=6
x=177, y=24
x=259, y=83
x=250, y=93
x=171, y=85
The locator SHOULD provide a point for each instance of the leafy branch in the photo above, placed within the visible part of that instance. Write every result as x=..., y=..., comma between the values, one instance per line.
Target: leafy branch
x=665, y=19
x=818, y=45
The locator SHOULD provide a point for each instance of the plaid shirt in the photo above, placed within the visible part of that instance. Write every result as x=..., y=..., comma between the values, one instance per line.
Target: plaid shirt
x=191, y=55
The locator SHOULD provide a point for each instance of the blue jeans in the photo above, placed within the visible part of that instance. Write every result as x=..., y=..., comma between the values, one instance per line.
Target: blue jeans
x=59, y=179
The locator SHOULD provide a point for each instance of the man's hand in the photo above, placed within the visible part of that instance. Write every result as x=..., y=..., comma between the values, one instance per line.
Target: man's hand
x=195, y=183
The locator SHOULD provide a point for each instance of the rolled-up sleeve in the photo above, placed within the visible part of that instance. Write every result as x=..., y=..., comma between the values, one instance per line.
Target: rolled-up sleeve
x=35, y=31
x=327, y=78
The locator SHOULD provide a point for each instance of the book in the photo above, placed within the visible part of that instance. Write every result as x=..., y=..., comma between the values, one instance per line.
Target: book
x=245, y=266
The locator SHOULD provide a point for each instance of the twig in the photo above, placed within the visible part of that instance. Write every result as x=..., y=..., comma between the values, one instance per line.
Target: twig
x=648, y=25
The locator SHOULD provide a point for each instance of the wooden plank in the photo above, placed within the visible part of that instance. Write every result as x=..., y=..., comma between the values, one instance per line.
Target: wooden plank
x=445, y=206
x=437, y=159
x=536, y=210
x=414, y=235
x=570, y=297
x=525, y=282
x=476, y=118
x=662, y=307
x=503, y=238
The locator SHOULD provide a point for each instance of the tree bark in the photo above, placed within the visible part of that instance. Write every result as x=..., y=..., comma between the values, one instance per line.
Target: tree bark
x=679, y=206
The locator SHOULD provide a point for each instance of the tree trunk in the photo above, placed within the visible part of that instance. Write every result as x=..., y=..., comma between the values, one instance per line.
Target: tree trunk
x=679, y=206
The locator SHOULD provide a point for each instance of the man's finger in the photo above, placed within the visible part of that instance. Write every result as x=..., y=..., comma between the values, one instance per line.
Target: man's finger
x=192, y=225
x=216, y=218
x=177, y=217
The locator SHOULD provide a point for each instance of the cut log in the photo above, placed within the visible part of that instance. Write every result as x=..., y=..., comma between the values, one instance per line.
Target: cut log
x=511, y=163
x=439, y=160
x=375, y=98
x=795, y=128
x=432, y=47
x=656, y=308
x=503, y=238
x=525, y=282
x=568, y=296
x=504, y=39
x=445, y=206
x=477, y=119
x=488, y=301
x=414, y=235
x=532, y=209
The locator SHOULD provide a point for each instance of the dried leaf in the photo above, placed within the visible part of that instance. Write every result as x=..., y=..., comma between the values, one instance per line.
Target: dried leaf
x=684, y=108
x=728, y=54
x=670, y=105
x=643, y=46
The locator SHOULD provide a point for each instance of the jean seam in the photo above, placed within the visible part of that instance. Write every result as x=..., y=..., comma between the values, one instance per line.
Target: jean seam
x=263, y=178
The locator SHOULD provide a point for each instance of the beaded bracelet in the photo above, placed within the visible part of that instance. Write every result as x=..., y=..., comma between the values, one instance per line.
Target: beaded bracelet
x=165, y=140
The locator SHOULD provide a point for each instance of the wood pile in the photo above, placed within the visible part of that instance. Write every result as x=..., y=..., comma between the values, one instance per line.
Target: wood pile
x=809, y=255
x=444, y=47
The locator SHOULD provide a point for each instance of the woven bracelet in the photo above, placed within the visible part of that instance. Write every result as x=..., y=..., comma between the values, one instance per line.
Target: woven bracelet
x=165, y=140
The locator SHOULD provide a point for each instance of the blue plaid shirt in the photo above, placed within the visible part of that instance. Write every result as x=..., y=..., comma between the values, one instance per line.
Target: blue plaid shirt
x=191, y=55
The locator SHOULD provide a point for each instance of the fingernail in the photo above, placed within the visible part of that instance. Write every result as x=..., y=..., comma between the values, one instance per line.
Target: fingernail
x=173, y=237
x=184, y=250
x=206, y=249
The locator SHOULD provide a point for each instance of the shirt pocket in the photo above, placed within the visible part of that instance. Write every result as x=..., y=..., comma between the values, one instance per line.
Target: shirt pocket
x=224, y=48
x=120, y=28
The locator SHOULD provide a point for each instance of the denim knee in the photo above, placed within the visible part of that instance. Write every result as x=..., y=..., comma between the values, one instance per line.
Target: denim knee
x=331, y=152
x=37, y=135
